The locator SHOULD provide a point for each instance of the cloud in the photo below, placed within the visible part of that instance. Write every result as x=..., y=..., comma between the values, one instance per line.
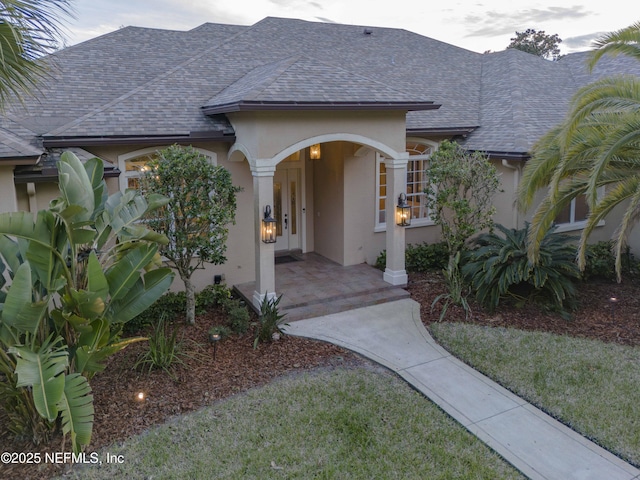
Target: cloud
x=494, y=22
x=581, y=42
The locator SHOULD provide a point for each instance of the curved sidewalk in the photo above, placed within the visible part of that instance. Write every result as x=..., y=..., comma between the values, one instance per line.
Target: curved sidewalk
x=393, y=335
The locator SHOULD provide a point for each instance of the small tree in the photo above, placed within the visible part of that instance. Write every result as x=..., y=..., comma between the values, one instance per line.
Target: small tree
x=537, y=43
x=202, y=205
x=459, y=199
x=460, y=193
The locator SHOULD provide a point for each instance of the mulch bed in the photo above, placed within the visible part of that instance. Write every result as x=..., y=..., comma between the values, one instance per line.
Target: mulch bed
x=596, y=317
x=201, y=380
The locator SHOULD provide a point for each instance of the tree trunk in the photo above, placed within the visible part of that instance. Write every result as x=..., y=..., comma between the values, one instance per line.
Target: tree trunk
x=191, y=301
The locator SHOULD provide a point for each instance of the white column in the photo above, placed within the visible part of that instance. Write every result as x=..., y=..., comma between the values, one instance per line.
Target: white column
x=396, y=169
x=262, y=173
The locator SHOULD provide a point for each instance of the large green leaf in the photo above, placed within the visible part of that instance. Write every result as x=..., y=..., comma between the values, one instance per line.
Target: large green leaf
x=86, y=304
x=43, y=372
x=122, y=214
x=141, y=295
x=124, y=274
x=10, y=252
x=90, y=361
x=96, y=337
x=44, y=251
x=75, y=186
x=96, y=280
x=76, y=409
x=20, y=311
x=95, y=172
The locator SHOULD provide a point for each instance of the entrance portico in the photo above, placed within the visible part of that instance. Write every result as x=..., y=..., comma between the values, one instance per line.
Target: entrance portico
x=328, y=186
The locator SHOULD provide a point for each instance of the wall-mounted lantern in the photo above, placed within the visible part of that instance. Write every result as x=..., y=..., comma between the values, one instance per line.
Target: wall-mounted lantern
x=403, y=211
x=314, y=152
x=268, y=226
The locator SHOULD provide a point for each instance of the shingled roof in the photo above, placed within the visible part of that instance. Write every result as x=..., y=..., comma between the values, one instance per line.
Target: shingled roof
x=146, y=85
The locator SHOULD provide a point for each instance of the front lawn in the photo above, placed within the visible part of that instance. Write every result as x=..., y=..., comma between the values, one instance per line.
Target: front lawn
x=587, y=384
x=337, y=423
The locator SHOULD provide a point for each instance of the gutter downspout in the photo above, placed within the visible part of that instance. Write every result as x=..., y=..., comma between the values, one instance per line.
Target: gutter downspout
x=33, y=201
x=516, y=181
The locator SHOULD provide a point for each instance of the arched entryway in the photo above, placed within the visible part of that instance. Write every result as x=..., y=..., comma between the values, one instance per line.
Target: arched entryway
x=321, y=196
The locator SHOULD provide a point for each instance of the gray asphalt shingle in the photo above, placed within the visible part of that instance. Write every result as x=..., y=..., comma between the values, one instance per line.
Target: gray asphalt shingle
x=141, y=81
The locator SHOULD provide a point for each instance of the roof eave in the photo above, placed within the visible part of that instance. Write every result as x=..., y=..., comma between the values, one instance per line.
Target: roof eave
x=444, y=131
x=499, y=155
x=24, y=160
x=47, y=177
x=92, y=141
x=252, y=106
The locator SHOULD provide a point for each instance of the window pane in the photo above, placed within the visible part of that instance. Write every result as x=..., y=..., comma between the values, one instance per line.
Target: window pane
x=565, y=215
x=277, y=207
x=133, y=182
x=294, y=209
x=581, y=208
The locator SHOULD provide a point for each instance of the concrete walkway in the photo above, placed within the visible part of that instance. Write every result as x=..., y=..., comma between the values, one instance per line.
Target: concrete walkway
x=393, y=335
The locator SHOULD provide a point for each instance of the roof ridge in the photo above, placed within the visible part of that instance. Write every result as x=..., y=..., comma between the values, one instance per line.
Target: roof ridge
x=141, y=87
x=285, y=64
x=517, y=105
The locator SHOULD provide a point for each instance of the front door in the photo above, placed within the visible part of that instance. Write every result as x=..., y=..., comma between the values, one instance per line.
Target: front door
x=286, y=208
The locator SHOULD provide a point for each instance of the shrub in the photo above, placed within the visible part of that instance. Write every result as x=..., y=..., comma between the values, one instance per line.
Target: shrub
x=455, y=289
x=239, y=318
x=164, y=350
x=460, y=192
x=269, y=321
x=168, y=306
x=196, y=221
x=420, y=258
x=499, y=267
x=211, y=296
x=601, y=261
x=427, y=256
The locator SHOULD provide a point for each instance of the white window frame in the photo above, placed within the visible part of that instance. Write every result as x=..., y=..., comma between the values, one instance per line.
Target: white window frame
x=415, y=222
x=572, y=224
x=149, y=151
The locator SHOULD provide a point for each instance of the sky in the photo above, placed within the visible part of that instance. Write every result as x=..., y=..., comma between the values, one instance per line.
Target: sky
x=477, y=25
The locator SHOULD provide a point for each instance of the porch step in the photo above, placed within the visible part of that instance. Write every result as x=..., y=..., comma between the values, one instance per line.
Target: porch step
x=342, y=303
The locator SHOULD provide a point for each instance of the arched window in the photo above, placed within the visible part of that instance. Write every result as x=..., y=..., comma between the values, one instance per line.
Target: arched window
x=133, y=164
x=419, y=152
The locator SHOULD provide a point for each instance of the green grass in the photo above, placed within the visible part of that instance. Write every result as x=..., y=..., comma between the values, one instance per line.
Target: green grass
x=589, y=385
x=340, y=424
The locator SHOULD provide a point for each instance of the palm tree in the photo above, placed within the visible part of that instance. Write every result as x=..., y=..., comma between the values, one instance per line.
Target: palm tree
x=596, y=147
x=29, y=29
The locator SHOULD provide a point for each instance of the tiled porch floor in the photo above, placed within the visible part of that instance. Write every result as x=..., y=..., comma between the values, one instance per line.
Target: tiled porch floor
x=315, y=286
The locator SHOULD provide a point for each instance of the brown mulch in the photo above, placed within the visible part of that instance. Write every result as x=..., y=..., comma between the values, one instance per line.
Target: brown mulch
x=596, y=316
x=201, y=380
x=198, y=382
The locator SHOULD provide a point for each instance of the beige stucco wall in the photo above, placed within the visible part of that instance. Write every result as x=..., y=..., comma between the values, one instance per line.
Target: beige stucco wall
x=8, y=198
x=329, y=202
x=264, y=135
x=240, y=265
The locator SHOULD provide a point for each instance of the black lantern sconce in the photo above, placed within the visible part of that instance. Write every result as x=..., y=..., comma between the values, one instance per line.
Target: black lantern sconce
x=268, y=226
x=403, y=211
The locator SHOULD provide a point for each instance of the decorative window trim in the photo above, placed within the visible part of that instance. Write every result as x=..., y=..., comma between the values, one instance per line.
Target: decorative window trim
x=415, y=222
x=125, y=175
